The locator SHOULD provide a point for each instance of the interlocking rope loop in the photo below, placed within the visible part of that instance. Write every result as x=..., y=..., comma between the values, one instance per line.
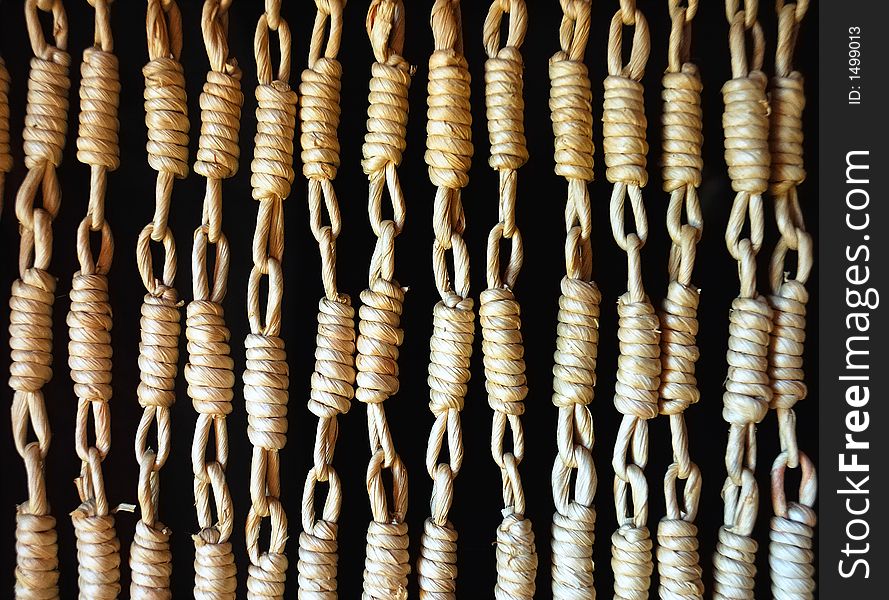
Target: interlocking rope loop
x=5, y=152
x=574, y=372
x=639, y=365
x=33, y=293
x=791, y=557
x=747, y=388
x=677, y=555
x=166, y=117
x=266, y=378
x=448, y=156
x=499, y=311
x=90, y=319
x=209, y=370
x=387, y=562
x=334, y=377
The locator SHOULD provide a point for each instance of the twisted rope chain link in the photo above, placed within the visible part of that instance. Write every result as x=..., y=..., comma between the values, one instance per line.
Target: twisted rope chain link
x=33, y=293
x=166, y=117
x=574, y=372
x=266, y=378
x=678, y=559
x=499, y=311
x=209, y=370
x=791, y=555
x=448, y=156
x=5, y=151
x=334, y=377
x=747, y=388
x=387, y=561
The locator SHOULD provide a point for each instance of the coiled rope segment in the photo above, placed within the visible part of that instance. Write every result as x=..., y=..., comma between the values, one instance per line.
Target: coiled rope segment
x=791, y=558
x=448, y=157
x=32, y=297
x=209, y=371
x=677, y=554
x=639, y=365
x=5, y=151
x=499, y=311
x=387, y=561
x=747, y=389
x=574, y=371
x=334, y=377
x=266, y=378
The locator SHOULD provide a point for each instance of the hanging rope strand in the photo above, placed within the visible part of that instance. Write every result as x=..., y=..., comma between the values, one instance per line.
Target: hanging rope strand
x=448, y=155
x=33, y=293
x=387, y=561
x=499, y=311
x=334, y=377
x=5, y=152
x=639, y=365
x=791, y=555
x=209, y=369
x=678, y=559
x=574, y=372
x=166, y=117
x=747, y=390
x=267, y=376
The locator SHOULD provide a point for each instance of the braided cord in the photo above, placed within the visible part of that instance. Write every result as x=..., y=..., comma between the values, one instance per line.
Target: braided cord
x=33, y=293
x=791, y=556
x=334, y=377
x=448, y=156
x=747, y=390
x=499, y=311
x=387, y=561
x=677, y=555
x=209, y=369
x=5, y=152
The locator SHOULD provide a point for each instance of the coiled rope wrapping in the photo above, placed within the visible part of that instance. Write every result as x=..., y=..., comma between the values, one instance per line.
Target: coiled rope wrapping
x=334, y=377
x=448, y=156
x=791, y=557
x=209, y=369
x=5, y=152
x=747, y=390
x=387, y=561
x=33, y=293
x=166, y=117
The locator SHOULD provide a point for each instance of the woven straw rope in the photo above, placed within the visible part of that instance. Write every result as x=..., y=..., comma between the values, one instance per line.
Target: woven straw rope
x=387, y=562
x=209, y=370
x=166, y=117
x=448, y=156
x=791, y=555
x=5, y=151
x=747, y=389
x=30, y=319
x=334, y=377
x=498, y=309
x=89, y=320
x=574, y=372
x=677, y=555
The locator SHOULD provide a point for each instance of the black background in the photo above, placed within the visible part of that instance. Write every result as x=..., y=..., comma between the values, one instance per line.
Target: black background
x=540, y=216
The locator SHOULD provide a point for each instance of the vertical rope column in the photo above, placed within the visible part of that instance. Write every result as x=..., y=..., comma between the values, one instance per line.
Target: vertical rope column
x=639, y=365
x=267, y=376
x=5, y=152
x=499, y=311
x=747, y=388
x=677, y=555
x=387, y=561
x=334, y=377
x=791, y=555
x=448, y=155
x=166, y=117
x=209, y=369
x=574, y=371
x=90, y=320
x=33, y=293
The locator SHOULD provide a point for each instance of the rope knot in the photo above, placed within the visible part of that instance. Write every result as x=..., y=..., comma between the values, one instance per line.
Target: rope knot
x=151, y=563
x=747, y=388
x=166, y=116
x=97, y=143
x=266, y=379
x=30, y=330
x=158, y=350
x=734, y=565
x=505, y=109
x=320, y=116
x=272, y=164
x=682, y=128
x=745, y=123
x=334, y=377
x=37, y=563
x=574, y=372
x=573, y=537
x=89, y=326
x=570, y=104
x=516, y=559
x=46, y=121
x=266, y=579
x=317, y=565
x=639, y=365
x=503, y=350
x=388, y=561
x=623, y=131
x=449, y=127
x=379, y=340
x=437, y=565
x=221, y=101
x=787, y=345
x=787, y=98
x=387, y=114
x=791, y=552
x=678, y=560
x=209, y=371
x=679, y=351
x=99, y=552
x=631, y=561
x=214, y=568
x=450, y=350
